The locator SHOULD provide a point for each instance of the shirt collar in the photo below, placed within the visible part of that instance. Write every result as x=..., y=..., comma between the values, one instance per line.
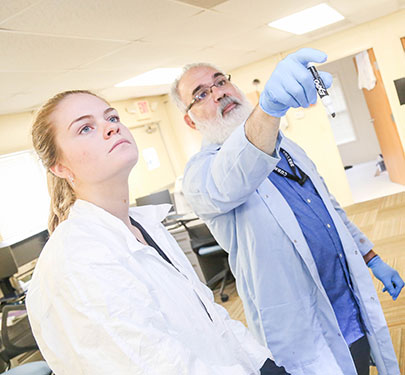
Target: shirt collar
x=205, y=143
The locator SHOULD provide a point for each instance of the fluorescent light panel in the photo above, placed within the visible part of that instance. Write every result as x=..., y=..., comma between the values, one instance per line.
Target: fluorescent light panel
x=155, y=77
x=308, y=20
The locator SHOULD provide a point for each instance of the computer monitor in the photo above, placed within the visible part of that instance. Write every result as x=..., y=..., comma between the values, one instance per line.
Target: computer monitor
x=8, y=267
x=156, y=198
x=29, y=249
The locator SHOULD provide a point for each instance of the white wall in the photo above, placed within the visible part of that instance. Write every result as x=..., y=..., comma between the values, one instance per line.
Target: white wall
x=365, y=147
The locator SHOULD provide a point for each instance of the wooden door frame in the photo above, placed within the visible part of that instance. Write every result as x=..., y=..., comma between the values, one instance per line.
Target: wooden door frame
x=387, y=135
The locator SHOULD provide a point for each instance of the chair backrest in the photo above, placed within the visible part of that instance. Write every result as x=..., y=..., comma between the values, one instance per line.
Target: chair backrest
x=3, y=363
x=200, y=236
x=17, y=338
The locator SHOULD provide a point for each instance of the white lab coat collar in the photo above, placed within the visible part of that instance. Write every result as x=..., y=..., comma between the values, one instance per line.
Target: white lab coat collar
x=148, y=216
x=151, y=214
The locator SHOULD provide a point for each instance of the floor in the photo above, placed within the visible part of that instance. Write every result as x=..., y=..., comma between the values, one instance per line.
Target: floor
x=365, y=185
x=383, y=221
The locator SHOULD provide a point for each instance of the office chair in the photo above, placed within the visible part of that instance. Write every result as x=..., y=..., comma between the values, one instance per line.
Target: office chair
x=209, y=254
x=8, y=267
x=16, y=338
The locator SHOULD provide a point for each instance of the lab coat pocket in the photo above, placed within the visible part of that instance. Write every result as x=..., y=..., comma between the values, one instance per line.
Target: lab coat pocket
x=292, y=330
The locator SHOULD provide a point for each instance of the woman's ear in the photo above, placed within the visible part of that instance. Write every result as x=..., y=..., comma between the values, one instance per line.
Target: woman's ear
x=60, y=170
x=189, y=121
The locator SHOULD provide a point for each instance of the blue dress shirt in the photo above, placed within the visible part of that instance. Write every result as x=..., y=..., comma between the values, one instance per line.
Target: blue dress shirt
x=326, y=248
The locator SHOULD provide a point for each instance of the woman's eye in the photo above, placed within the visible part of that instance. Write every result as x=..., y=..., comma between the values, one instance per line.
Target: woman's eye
x=85, y=129
x=114, y=119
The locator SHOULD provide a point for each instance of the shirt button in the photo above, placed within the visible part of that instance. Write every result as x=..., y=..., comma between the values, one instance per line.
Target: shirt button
x=267, y=196
x=341, y=255
x=309, y=200
x=339, y=335
x=328, y=225
x=356, y=252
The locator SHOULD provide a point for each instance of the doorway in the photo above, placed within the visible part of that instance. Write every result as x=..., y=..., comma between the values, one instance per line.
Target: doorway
x=365, y=133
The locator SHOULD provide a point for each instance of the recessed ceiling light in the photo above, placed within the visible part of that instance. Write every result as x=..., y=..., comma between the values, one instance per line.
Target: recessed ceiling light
x=308, y=20
x=155, y=77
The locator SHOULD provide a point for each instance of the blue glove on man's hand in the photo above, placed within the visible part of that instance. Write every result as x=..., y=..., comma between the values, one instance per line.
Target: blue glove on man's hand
x=291, y=84
x=387, y=275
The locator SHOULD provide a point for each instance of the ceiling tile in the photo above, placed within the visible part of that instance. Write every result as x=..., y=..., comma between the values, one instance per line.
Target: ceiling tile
x=224, y=58
x=257, y=38
x=12, y=8
x=203, y=3
x=201, y=30
x=106, y=19
x=41, y=86
x=88, y=80
x=373, y=12
x=121, y=93
x=20, y=52
x=350, y=8
x=138, y=57
x=21, y=103
x=263, y=11
x=19, y=82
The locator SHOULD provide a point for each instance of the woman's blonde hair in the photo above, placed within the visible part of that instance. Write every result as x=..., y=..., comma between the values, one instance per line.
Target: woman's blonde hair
x=44, y=141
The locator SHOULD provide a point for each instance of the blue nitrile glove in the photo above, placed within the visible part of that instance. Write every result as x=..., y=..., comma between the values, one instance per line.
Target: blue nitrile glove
x=387, y=275
x=291, y=84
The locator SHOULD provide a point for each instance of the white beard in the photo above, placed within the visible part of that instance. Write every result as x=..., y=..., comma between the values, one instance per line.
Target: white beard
x=219, y=129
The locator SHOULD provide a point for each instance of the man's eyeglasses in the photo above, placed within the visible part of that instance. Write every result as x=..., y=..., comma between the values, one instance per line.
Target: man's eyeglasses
x=205, y=91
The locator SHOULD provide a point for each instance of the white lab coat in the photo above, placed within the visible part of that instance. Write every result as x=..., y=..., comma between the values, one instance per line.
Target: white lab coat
x=286, y=305
x=100, y=302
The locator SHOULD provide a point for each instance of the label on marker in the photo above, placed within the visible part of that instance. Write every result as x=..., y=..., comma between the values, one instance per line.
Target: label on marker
x=320, y=87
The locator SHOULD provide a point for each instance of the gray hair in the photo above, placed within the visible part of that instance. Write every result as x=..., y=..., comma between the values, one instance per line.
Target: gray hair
x=174, y=91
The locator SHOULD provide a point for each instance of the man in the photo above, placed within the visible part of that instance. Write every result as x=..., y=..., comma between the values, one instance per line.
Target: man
x=299, y=263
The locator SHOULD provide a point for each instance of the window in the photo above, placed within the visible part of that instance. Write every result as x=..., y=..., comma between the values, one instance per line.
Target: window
x=24, y=199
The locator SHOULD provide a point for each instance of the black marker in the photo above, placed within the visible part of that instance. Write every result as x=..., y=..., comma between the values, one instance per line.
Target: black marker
x=321, y=89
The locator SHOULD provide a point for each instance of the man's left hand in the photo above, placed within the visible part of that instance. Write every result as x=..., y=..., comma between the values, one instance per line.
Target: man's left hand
x=393, y=283
x=291, y=84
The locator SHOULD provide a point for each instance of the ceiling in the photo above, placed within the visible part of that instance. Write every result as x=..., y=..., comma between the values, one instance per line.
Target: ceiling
x=47, y=46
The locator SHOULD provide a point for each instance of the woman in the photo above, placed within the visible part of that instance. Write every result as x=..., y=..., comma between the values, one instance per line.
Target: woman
x=112, y=292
